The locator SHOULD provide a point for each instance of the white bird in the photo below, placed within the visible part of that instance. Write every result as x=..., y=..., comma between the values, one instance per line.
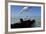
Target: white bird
x=25, y=8
x=22, y=10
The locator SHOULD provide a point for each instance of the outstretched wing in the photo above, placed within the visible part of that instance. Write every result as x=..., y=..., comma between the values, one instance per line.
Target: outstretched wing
x=24, y=10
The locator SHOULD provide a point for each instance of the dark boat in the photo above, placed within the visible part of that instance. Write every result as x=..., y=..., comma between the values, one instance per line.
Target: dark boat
x=23, y=24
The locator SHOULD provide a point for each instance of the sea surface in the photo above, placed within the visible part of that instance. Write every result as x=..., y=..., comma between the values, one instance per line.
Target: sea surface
x=36, y=18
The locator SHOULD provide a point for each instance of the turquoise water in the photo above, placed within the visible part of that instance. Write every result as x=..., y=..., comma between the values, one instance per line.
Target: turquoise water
x=37, y=19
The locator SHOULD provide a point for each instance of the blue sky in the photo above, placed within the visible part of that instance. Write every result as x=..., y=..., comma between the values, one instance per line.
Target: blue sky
x=30, y=11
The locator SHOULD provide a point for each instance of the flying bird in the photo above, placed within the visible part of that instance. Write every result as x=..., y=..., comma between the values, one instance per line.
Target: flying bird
x=24, y=10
